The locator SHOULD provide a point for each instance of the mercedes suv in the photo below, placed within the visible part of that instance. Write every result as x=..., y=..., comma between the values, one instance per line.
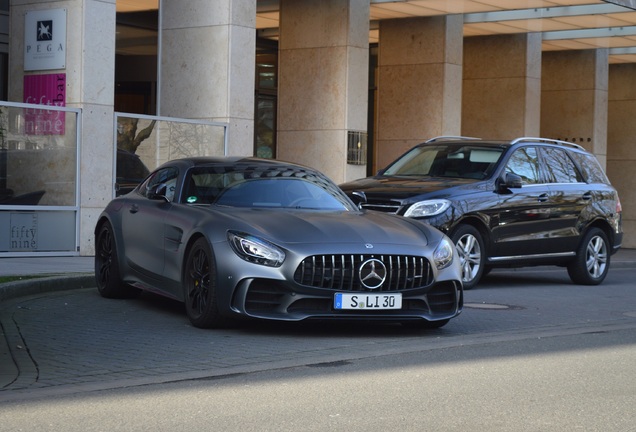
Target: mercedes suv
x=529, y=201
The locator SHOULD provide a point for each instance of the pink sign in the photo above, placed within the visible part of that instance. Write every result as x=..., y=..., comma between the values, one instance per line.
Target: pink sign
x=48, y=90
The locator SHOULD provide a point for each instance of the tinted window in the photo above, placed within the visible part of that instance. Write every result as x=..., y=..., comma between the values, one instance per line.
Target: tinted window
x=524, y=162
x=591, y=169
x=287, y=193
x=560, y=167
x=166, y=177
x=263, y=186
x=461, y=161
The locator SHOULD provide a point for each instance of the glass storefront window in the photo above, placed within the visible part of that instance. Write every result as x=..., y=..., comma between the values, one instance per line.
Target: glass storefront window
x=38, y=156
x=145, y=142
x=38, y=179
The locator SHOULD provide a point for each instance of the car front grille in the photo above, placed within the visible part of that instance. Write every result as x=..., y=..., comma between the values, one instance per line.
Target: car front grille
x=341, y=272
x=385, y=207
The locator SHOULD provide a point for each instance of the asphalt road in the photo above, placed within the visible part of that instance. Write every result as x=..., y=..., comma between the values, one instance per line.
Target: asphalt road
x=531, y=352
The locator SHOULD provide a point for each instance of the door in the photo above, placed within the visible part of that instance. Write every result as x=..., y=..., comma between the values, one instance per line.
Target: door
x=143, y=222
x=523, y=224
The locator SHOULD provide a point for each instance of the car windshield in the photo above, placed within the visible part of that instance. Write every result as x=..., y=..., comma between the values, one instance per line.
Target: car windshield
x=456, y=160
x=265, y=189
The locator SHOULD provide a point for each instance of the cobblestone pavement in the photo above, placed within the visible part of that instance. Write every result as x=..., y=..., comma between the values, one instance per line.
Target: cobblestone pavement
x=67, y=340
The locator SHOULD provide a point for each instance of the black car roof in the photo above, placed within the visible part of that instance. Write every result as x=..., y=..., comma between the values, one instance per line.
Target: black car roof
x=233, y=160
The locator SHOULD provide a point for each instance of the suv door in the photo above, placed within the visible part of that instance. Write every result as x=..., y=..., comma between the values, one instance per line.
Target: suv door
x=524, y=213
x=569, y=193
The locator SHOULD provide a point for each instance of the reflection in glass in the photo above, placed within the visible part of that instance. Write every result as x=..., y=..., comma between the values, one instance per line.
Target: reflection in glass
x=37, y=168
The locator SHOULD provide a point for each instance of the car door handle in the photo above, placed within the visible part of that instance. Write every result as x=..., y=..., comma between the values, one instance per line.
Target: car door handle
x=134, y=209
x=587, y=196
x=542, y=198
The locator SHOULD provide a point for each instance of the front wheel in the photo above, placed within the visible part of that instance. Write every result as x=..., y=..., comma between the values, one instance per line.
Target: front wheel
x=199, y=282
x=471, y=251
x=592, y=261
x=107, y=275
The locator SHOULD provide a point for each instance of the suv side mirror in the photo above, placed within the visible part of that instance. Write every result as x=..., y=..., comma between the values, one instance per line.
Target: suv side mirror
x=513, y=181
x=510, y=181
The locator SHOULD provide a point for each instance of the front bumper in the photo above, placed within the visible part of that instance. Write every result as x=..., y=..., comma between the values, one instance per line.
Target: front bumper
x=276, y=300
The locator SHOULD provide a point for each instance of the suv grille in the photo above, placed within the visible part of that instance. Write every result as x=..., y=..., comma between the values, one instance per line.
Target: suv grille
x=385, y=207
x=340, y=272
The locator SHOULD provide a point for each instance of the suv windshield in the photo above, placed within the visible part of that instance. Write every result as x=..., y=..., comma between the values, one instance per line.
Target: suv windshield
x=459, y=160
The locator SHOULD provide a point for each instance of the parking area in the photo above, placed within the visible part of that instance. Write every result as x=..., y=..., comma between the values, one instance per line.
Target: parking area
x=62, y=340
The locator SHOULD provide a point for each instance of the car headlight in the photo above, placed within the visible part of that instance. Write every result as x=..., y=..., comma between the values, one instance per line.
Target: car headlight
x=427, y=208
x=256, y=250
x=443, y=255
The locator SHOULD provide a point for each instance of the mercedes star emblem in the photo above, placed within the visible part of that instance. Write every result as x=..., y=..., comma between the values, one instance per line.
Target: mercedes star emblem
x=372, y=273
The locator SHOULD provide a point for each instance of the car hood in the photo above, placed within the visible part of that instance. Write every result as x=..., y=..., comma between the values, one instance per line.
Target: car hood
x=305, y=226
x=402, y=187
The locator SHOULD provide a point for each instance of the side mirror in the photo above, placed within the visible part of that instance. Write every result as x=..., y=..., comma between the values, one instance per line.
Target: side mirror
x=358, y=198
x=510, y=181
x=513, y=181
x=158, y=192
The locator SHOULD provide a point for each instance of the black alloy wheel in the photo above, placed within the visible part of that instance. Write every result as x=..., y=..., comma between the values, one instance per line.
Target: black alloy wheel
x=107, y=275
x=592, y=261
x=200, y=286
x=471, y=251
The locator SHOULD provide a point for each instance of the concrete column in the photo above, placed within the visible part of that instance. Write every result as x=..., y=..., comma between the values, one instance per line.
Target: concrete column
x=419, y=83
x=323, y=82
x=621, y=147
x=208, y=51
x=574, y=98
x=502, y=86
x=90, y=83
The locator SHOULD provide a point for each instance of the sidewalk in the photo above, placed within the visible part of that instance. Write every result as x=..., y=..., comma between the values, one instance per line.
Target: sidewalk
x=46, y=265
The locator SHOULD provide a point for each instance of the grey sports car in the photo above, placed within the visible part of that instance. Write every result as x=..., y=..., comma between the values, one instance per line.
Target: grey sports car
x=258, y=238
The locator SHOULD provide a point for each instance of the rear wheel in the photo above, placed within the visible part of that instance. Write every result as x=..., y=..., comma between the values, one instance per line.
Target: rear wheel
x=200, y=286
x=107, y=275
x=592, y=260
x=471, y=251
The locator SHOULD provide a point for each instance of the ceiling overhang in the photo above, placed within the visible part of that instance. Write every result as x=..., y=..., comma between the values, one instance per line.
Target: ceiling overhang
x=564, y=24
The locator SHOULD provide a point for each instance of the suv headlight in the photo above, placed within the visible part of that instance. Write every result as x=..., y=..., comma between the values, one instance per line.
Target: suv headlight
x=444, y=253
x=427, y=208
x=255, y=250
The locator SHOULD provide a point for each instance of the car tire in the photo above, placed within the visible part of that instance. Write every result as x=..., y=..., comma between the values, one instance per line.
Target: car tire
x=199, y=282
x=592, y=260
x=471, y=251
x=107, y=274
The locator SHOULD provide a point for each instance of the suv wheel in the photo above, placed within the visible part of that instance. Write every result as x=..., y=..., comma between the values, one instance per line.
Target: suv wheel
x=471, y=251
x=592, y=260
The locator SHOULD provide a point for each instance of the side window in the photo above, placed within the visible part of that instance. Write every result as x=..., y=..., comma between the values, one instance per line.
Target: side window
x=591, y=169
x=525, y=163
x=166, y=178
x=560, y=167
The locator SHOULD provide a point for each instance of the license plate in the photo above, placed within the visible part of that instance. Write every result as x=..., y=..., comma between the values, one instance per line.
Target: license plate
x=368, y=301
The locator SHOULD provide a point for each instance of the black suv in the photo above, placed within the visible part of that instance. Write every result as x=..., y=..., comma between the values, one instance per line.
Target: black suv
x=530, y=201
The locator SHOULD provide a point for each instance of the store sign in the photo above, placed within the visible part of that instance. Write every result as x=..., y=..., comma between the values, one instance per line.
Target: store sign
x=23, y=228
x=45, y=40
x=48, y=90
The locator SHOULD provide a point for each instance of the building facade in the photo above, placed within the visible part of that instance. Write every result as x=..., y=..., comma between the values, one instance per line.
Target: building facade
x=344, y=86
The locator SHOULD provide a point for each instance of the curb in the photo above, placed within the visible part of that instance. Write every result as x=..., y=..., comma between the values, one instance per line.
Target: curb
x=40, y=285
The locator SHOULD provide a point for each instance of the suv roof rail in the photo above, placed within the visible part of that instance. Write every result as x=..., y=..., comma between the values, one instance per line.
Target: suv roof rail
x=547, y=140
x=451, y=137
